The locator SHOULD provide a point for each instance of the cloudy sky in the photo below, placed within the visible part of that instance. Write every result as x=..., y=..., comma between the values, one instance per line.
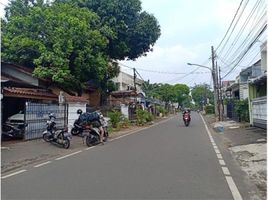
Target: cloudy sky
x=188, y=30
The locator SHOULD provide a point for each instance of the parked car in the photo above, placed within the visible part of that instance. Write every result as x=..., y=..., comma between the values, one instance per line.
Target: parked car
x=14, y=127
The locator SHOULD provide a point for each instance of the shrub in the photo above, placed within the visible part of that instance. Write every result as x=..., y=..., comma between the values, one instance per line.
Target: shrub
x=124, y=123
x=209, y=109
x=241, y=109
x=115, y=117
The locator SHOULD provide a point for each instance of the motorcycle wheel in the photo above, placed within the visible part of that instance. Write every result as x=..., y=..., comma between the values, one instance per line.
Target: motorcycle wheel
x=46, y=137
x=91, y=141
x=66, y=144
x=65, y=141
x=74, y=131
x=106, y=135
x=186, y=123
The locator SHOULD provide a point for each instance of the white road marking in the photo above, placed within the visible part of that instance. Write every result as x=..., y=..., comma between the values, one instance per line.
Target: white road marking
x=89, y=148
x=45, y=163
x=233, y=188
x=68, y=155
x=222, y=162
x=235, y=192
x=219, y=155
x=15, y=173
x=225, y=171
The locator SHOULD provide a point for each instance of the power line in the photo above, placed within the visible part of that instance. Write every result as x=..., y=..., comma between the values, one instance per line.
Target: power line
x=251, y=44
x=233, y=28
x=243, y=44
x=243, y=27
x=230, y=25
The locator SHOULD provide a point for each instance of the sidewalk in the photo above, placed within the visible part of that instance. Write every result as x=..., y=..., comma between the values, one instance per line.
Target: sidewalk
x=18, y=154
x=248, y=145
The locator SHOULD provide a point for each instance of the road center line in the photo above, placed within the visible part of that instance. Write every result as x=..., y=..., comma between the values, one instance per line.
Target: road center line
x=45, y=163
x=15, y=173
x=68, y=155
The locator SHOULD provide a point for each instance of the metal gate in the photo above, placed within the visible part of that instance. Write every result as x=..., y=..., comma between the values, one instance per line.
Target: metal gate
x=230, y=110
x=36, y=115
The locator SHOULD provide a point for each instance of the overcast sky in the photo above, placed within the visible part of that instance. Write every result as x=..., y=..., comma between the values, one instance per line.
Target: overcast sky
x=188, y=30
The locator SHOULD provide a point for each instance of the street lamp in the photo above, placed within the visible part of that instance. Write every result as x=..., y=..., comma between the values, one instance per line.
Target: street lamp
x=199, y=66
x=214, y=86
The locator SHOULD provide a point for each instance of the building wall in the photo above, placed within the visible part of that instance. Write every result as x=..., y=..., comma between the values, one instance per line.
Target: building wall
x=264, y=57
x=124, y=81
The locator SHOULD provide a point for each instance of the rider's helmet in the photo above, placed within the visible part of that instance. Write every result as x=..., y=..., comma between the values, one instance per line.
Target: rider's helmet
x=52, y=115
x=79, y=111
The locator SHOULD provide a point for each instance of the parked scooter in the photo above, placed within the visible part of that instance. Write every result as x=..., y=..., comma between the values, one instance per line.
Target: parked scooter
x=186, y=118
x=92, y=135
x=84, y=127
x=51, y=134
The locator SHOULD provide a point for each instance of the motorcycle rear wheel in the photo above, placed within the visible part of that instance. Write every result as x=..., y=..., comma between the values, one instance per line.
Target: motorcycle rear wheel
x=46, y=137
x=74, y=131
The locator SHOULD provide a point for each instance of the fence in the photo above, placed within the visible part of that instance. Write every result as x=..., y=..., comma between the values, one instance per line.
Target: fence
x=230, y=110
x=259, y=112
x=36, y=115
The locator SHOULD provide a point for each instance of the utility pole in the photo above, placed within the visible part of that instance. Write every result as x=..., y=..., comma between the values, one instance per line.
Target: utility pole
x=214, y=84
x=221, y=96
x=134, y=79
x=218, y=90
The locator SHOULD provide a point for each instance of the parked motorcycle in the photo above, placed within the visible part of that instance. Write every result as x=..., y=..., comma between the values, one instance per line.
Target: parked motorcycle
x=186, y=118
x=60, y=136
x=77, y=128
x=84, y=127
x=92, y=135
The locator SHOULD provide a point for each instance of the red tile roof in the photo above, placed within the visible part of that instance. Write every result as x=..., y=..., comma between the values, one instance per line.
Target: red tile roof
x=30, y=93
x=70, y=98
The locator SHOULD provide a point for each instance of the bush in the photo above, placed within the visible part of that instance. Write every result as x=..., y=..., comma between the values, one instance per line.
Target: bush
x=209, y=109
x=124, y=123
x=143, y=116
x=241, y=109
x=162, y=110
x=115, y=117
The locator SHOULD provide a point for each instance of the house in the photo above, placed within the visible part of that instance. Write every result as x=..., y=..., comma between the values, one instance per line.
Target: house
x=128, y=93
x=257, y=94
x=34, y=98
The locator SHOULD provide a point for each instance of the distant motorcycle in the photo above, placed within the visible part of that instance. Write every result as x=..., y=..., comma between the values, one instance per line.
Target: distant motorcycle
x=186, y=118
x=51, y=134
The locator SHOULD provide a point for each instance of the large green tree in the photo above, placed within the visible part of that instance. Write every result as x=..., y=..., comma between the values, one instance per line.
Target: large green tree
x=134, y=31
x=62, y=42
x=200, y=94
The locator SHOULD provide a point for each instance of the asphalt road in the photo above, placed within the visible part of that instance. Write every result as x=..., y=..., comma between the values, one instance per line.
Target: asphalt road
x=166, y=161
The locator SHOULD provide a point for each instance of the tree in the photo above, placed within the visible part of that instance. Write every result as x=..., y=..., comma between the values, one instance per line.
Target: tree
x=182, y=94
x=61, y=42
x=201, y=93
x=133, y=32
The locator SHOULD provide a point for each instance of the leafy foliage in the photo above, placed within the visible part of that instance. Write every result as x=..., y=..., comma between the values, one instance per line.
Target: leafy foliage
x=115, y=117
x=143, y=116
x=201, y=93
x=63, y=42
x=241, y=109
x=168, y=93
x=133, y=32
